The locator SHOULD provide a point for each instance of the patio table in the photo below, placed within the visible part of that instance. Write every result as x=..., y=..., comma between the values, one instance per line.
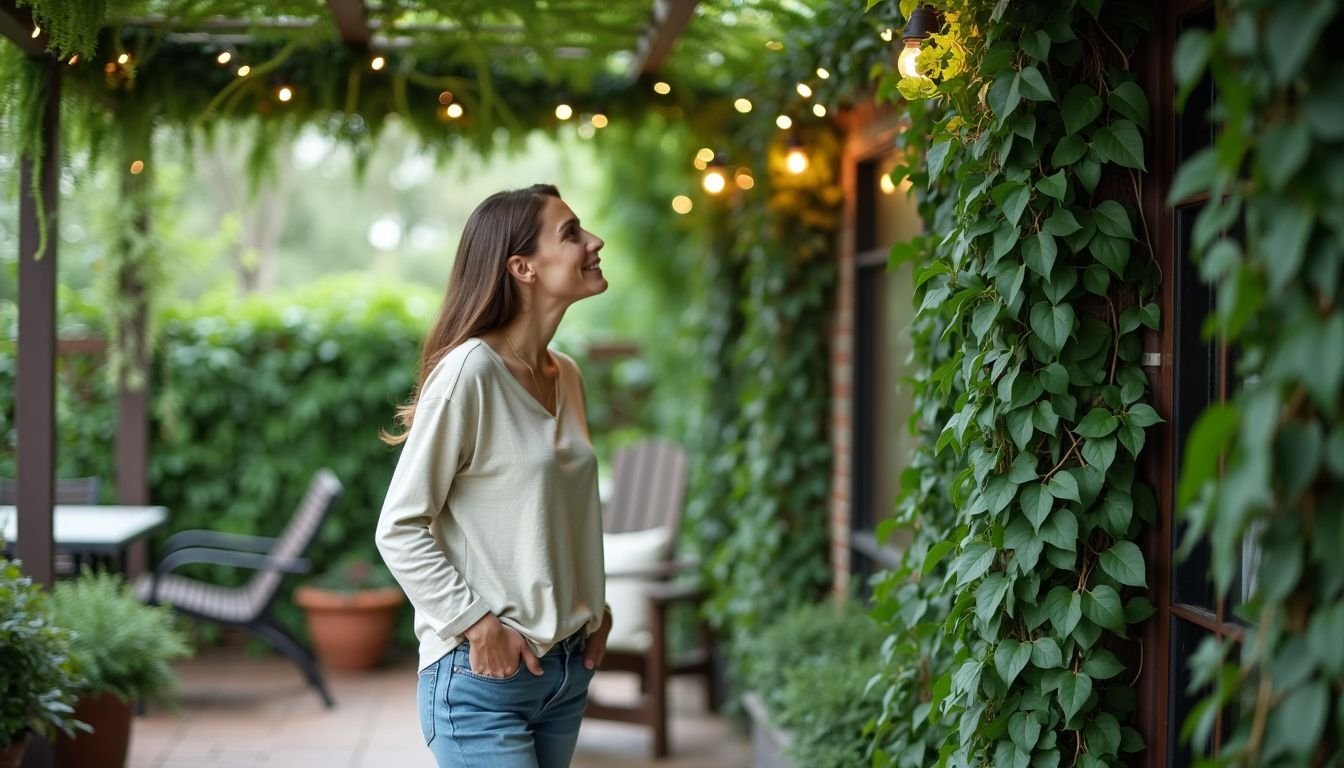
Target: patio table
x=92, y=531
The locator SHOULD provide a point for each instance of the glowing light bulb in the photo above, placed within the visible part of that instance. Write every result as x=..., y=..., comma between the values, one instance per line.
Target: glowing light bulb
x=704, y=155
x=37, y=31
x=742, y=105
x=784, y=122
x=796, y=161
x=244, y=71
x=285, y=93
x=599, y=120
x=453, y=111
x=682, y=204
x=378, y=63
x=137, y=167
x=564, y=112
x=744, y=179
x=888, y=186
x=822, y=73
x=662, y=88
x=907, y=62
x=714, y=182
x=805, y=90
x=818, y=110
x=123, y=58
x=224, y=57
x=888, y=35
x=73, y=60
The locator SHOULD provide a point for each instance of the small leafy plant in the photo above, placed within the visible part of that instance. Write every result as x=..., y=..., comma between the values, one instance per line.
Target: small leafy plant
x=122, y=646
x=355, y=574
x=38, y=677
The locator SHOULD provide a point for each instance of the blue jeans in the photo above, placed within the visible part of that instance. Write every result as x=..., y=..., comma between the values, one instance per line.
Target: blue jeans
x=522, y=721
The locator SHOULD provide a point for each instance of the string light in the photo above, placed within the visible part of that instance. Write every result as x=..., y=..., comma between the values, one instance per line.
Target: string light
x=137, y=167
x=378, y=63
x=887, y=35
x=453, y=111
x=73, y=60
x=223, y=58
x=705, y=154
x=285, y=93
x=822, y=73
x=819, y=110
x=742, y=105
x=564, y=112
x=923, y=22
x=661, y=88
x=805, y=90
x=599, y=120
x=699, y=164
x=784, y=122
x=682, y=204
x=446, y=98
x=244, y=71
x=796, y=161
x=774, y=45
x=744, y=179
x=716, y=178
x=37, y=31
x=124, y=58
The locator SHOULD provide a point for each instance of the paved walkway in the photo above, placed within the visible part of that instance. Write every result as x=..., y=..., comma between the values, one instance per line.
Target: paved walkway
x=240, y=712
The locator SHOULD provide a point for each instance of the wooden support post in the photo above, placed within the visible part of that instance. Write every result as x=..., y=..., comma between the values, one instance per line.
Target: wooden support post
x=35, y=417
x=133, y=384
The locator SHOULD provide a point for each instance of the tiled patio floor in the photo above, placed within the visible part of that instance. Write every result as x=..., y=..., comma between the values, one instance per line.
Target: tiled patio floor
x=238, y=711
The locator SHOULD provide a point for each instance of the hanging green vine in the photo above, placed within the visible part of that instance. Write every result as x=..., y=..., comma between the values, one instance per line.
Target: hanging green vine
x=1018, y=597
x=1277, y=166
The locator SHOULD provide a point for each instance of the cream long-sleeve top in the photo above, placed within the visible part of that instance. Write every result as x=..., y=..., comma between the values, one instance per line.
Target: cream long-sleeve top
x=493, y=507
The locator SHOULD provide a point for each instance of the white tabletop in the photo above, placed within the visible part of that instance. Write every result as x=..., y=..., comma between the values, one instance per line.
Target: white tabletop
x=92, y=528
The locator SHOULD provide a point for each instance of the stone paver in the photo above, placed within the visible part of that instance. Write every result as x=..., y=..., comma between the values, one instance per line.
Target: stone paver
x=240, y=712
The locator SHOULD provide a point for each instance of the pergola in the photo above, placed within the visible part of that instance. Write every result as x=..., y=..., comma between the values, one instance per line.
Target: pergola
x=624, y=42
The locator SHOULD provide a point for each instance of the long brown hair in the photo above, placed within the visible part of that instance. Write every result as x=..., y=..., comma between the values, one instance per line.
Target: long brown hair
x=480, y=295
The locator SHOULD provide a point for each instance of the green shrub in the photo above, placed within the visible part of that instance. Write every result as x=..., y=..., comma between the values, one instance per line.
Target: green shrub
x=38, y=678
x=811, y=668
x=122, y=646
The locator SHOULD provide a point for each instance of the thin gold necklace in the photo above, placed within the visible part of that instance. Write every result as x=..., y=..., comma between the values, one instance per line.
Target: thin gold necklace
x=535, y=383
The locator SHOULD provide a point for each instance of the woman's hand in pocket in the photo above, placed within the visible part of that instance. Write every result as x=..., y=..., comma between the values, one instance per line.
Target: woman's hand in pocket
x=496, y=650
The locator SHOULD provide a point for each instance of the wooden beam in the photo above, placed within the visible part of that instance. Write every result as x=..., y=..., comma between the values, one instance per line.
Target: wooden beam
x=352, y=20
x=17, y=24
x=35, y=422
x=670, y=18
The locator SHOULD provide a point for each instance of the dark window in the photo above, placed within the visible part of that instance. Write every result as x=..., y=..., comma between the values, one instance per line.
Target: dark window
x=886, y=215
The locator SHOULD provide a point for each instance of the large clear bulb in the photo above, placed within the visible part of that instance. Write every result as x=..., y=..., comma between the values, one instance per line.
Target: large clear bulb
x=906, y=62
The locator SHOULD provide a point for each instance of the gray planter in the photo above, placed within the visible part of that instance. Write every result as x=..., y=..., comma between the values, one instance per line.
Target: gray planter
x=767, y=742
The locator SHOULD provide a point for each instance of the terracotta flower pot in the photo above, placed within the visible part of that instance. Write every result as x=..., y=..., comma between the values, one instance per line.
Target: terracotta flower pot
x=350, y=630
x=108, y=744
x=12, y=756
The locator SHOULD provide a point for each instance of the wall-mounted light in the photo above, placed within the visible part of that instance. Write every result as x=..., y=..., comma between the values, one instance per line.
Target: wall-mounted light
x=715, y=179
x=923, y=22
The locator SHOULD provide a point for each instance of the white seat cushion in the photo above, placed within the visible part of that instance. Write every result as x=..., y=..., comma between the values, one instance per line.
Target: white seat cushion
x=633, y=551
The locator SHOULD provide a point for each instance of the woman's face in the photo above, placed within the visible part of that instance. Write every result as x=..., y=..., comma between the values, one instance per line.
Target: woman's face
x=566, y=261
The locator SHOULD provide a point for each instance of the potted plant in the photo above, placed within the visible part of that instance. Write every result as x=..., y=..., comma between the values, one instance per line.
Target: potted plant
x=123, y=649
x=37, y=676
x=350, y=611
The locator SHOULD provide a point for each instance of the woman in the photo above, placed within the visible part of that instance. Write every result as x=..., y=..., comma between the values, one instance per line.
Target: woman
x=491, y=523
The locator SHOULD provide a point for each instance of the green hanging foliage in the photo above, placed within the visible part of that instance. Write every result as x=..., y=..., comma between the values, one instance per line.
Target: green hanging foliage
x=1013, y=613
x=1270, y=509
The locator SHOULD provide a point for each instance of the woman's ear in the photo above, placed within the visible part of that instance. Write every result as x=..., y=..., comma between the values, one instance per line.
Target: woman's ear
x=520, y=269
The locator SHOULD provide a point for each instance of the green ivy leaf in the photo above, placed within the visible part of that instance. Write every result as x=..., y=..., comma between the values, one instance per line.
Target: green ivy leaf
x=1045, y=653
x=1005, y=237
x=1103, y=606
x=1128, y=99
x=1112, y=220
x=1113, y=252
x=1142, y=415
x=1097, y=423
x=1103, y=736
x=1064, y=486
x=1102, y=665
x=1053, y=185
x=1061, y=530
x=1117, y=510
x=1045, y=418
x=1053, y=324
x=1074, y=691
x=1061, y=223
x=973, y=561
x=1025, y=732
x=1032, y=84
x=937, y=158
x=1015, y=201
x=1036, y=505
x=1191, y=57
x=1120, y=143
x=1065, y=609
x=1088, y=172
x=1100, y=452
x=1286, y=237
x=1124, y=563
x=1081, y=106
x=1039, y=253
x=1037, y=45
x=1068, y=151
x=1010, y=658
x=1062, y=280
x=935, y=554
x=1295, y=726
x=1019, y=537
x=1020, y=426
x=1197, y=174
x=1055, y=379
x=999, y=492
x=989, y=596
x=1292, y=34
x=1213, y=431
